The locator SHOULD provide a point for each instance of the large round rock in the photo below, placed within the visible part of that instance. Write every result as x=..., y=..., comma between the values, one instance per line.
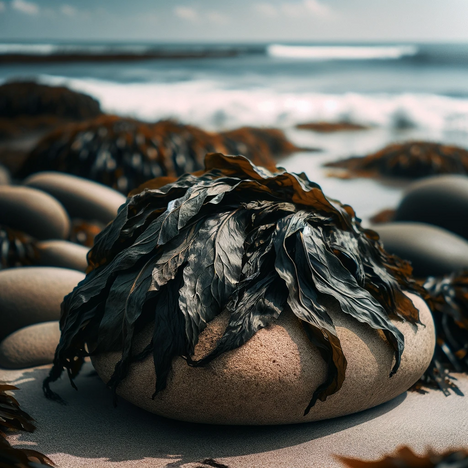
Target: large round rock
x=270, y=379
x=33, y=295
x=82, y=198
x=440, y=200
x=30, y=346
x=62, y=254
x=432, y=251
x=34, y=212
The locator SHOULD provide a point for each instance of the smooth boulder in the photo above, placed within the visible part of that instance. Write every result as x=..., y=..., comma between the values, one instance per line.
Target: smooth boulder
x=432, y=251
x=33, y=212
x=81, y=198
x=30, y=346
x=32, y=295
x=5, y=178
x=62, y=254
x=441, y=201
x=271, y=378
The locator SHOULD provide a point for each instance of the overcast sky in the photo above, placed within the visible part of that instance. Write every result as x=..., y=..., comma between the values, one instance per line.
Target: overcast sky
x=235, y=20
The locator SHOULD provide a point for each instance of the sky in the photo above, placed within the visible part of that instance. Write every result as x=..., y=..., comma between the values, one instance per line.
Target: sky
x=235, y=20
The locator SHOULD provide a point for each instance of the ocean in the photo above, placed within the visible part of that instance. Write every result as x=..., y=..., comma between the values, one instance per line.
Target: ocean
x=402, y=91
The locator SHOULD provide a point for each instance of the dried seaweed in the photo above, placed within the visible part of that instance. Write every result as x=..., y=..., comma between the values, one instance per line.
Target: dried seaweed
x=235, y=238
x=410, y=160
x=13, y=418
x=16, y=248
x=123, y=153
x=331, y=127
x=448, y=301
x=406, y=458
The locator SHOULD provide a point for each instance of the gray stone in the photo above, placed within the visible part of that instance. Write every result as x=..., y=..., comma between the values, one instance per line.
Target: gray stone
x=82, y=198
x=33, y=295
x=33, y=212
x=30, y=346
x=441, y=201
x=271, y=378
x=432, y=251
x=62, y=254
x=5, y=178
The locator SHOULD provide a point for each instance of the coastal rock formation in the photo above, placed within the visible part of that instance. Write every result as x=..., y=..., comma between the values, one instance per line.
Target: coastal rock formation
x=28, y=98
x=30, y=346
x=34, y=212
x=432, y=251
x=269, y=379
x=409, y=160
x=124, y=153
x=32, y=295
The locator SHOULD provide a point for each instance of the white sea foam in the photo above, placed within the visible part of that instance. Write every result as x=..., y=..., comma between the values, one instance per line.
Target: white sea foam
x=209, y=105
x=341, y=52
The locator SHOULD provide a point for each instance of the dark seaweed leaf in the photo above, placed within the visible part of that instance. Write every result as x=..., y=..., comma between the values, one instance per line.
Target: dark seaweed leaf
x=406, y=458
x=13, y=418
x=238, y=239
x=448, y=301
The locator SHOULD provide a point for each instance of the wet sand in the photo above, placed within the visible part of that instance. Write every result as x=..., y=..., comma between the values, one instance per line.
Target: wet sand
x=90, y=432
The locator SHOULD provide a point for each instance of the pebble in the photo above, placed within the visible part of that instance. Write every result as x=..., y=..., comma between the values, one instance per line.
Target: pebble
x=30, y=346
x=5, y=178
x=271, y=378
x=432, y=251
x=33, y=212
x=81, y=198
x=58, y=253
x=440, y=200
x=30, y=295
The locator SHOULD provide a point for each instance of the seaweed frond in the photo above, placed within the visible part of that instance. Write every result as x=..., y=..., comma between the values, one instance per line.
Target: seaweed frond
x=13, y=418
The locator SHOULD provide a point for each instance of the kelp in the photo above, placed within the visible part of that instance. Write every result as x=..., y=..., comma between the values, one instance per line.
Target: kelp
x=16, y=248
x=233, y=238
x=406, y=458
x=412, y=160
x=13, y=418
x=448, y=301
x=123, y=153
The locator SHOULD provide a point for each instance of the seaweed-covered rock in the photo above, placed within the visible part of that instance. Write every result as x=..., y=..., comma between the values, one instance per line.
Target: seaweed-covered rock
x=331, y=127
x=28, y=98
x=411, y=160
x=441, y=201
x=238, y=243
x=123, y=153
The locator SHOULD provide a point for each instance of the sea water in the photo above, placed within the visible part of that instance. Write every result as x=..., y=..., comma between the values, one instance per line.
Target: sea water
x=401, y=91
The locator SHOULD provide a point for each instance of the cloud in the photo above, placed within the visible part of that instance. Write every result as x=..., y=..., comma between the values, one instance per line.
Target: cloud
x=300, y=9
x=23, y=6
x=266, y=9
x=68, y=10
x=216, y=17
x=186, y=13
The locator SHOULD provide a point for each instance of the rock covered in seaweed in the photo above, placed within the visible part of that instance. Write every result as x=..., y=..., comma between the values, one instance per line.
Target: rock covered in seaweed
x=410, y=160
x=124, y=153
x=239, y=240
x=28, y=98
